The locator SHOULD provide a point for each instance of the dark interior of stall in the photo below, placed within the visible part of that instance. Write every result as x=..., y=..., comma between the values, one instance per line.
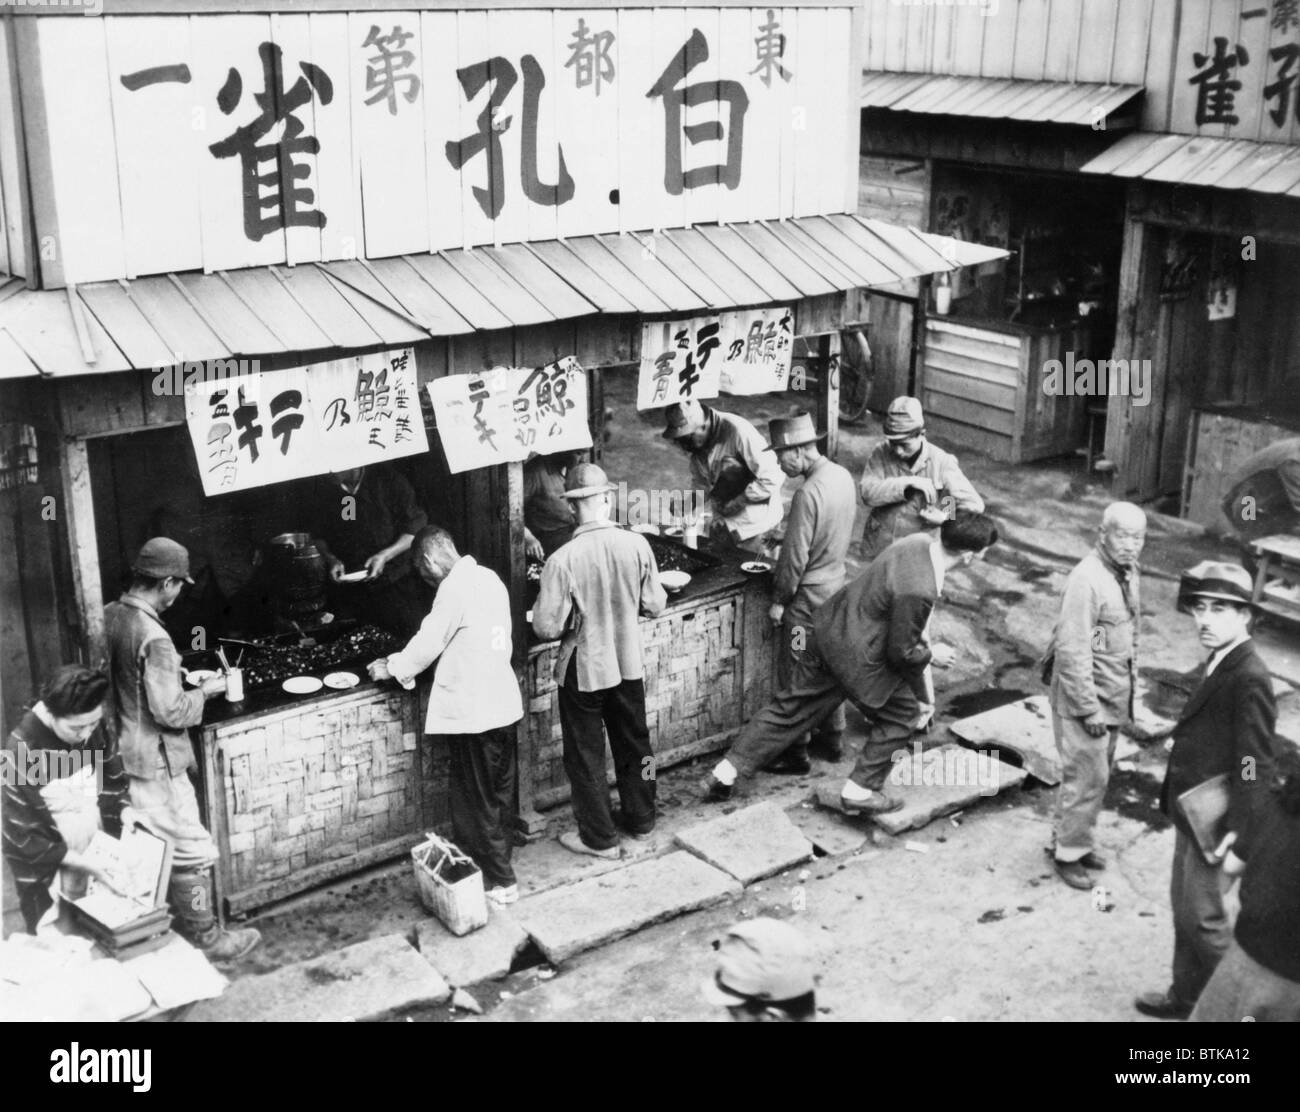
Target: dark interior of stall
x=247, y=584
x=1065, y=237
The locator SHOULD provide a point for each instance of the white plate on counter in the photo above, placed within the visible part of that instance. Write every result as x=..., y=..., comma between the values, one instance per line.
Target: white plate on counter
x=197, y=675
x=755, y=567
x=302, y=685
x=648, y=530
x=341, y=681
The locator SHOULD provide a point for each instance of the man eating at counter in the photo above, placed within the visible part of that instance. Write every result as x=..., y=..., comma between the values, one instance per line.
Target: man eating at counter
x=365, y=518
x=729, y=460
x=150, y=720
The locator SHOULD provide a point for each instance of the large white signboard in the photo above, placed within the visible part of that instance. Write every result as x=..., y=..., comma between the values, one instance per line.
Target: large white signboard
x=228, y=140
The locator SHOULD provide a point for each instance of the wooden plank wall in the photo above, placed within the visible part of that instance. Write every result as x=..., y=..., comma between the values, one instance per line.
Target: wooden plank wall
x=970, y=384
x=1131, y=42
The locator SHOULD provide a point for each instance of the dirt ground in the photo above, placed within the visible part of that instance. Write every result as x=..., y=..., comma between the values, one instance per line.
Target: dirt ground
x=964, y=920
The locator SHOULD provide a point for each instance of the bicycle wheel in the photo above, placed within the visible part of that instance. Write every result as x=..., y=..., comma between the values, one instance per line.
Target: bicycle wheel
x=855, y=373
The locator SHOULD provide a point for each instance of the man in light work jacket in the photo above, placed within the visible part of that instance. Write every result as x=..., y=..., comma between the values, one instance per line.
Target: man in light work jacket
x=729, y=461
x=594, y=588
x=871, y=645
x=1092, y=658
x=810, y=570
x=474, y=703
x=150, y=718
x=1226, y=728
x=908, y=484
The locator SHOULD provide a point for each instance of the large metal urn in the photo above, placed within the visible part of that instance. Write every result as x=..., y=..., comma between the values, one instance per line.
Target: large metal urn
x=298, y=575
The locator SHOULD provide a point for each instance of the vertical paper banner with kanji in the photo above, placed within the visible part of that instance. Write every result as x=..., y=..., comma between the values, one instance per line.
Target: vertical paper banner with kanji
x=476, y=421
x=250, y=430
x=756, y=350
x=745, y=352
x=367, y=409
x=679, y=361
x=550, y=407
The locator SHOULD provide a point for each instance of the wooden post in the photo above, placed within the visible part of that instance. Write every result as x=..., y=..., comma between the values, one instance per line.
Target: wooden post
x=78, y=516
x=828, y=394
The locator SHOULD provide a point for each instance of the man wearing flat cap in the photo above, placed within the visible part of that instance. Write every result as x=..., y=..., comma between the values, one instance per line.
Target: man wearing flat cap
x=729, y=462
x=818, y=532
x=150, y=716
x=1226, y=729
x=593, y=590
x=909, y=484
x=765, y=974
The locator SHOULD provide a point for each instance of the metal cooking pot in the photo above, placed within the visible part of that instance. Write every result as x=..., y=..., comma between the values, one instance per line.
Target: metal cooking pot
x=298, y=572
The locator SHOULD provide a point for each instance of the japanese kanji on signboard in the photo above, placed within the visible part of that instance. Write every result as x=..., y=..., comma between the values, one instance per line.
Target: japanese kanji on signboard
x=508, y=414
x=742, y=352
x=268, y=427
x=221, y=140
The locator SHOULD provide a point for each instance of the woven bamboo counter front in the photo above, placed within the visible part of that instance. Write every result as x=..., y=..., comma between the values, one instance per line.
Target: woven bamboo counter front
x=299, y=794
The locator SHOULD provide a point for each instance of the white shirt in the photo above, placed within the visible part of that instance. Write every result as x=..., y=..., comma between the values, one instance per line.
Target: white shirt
x=467, y=631
x=1217, y=656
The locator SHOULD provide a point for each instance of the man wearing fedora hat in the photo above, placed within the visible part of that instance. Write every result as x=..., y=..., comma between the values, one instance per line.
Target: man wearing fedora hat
x=729, y=462
x=593, y=590
x=909, y=484
x=1225, y=728
x=818, y=531
x=150, y=715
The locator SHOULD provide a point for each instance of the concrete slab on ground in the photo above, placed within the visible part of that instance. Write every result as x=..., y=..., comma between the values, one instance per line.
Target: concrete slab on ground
x=936, y=782
x=372, y=980
x=482, y=955
x=566, y=921
x=1023, y=727
x=827, y=833
x=749, y=844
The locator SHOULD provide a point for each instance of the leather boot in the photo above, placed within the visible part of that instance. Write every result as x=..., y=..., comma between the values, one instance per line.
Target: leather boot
x=191, y=895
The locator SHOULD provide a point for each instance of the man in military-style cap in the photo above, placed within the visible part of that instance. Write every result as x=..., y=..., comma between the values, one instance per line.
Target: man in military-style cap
x=909, y=484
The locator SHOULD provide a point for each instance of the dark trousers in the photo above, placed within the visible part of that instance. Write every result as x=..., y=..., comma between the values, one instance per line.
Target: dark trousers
x=621, y=710
x=483, y=775
x=803, y=703
x=1202, y=930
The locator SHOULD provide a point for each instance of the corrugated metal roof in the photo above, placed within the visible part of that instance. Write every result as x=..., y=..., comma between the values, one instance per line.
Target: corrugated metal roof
x=1203, y=160
x=994, y=98
x=152, y=322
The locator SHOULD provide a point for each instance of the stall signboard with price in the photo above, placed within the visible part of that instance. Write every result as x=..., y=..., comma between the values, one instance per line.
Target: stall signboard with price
x=251, y=430
x=507, y=414
x=744, y=352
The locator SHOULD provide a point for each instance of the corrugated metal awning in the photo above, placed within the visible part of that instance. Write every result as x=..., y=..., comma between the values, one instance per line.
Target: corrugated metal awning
x=153, y=322
x=995, y=98
x=1203, y=160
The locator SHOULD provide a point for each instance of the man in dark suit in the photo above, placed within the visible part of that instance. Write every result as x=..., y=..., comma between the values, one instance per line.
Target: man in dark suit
x=1226, y=728
x=870, y=644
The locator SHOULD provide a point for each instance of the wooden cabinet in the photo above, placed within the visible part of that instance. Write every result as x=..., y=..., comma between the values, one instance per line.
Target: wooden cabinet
x=982, y=386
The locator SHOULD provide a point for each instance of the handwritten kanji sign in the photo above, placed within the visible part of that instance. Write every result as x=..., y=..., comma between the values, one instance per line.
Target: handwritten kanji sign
x=550, y=407
x=251, y=430
x=476, y=421
x=254, y=429
x=746, y=352
x=756, y=356
x=368, y=408
x=509, y=413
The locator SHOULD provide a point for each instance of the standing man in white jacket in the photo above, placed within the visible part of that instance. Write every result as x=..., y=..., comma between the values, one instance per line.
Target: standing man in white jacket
x=474, y=703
